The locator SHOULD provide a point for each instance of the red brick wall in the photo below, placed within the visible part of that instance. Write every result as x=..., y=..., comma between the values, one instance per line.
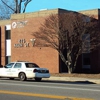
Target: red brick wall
x=43, y=56
x=94, y=60
x=0, y=45
x=3, y=48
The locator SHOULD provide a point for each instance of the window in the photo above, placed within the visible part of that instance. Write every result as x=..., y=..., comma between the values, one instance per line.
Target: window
x=8, y=59
x=86, y=43
x=86, y=19
x=8, y=34
x=31, y=65
x=9, y=65
x=86, y=61
x=17, y=65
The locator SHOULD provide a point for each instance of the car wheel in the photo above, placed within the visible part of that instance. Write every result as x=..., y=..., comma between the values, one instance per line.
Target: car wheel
x=38, y=79
x=22, y=77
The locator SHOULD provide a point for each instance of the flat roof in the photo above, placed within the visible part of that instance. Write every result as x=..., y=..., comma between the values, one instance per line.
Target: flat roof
x=5, y=22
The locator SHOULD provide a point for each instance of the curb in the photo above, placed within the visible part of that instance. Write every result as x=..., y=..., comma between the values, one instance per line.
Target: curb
x=74, y=79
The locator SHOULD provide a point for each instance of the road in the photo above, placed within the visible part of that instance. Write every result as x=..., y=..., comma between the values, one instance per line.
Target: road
x=48, y=90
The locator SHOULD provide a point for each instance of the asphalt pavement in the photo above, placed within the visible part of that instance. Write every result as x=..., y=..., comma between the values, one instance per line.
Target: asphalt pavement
x=74, y=79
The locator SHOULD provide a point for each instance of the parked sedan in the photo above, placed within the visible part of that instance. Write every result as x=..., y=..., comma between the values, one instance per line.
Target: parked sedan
x=24, y=70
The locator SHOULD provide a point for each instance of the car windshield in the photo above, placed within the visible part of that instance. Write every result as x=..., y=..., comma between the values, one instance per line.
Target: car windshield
x=31, y=65
x=9, y=65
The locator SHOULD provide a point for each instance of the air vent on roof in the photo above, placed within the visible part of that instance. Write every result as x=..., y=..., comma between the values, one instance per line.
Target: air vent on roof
x=43, y=9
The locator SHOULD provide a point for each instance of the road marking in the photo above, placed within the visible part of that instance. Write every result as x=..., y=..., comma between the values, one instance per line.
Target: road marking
x=67, y=84
x=42, y=86
x=42, y=95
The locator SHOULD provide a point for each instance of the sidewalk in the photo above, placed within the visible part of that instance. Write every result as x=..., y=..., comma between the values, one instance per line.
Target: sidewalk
x=74, y=79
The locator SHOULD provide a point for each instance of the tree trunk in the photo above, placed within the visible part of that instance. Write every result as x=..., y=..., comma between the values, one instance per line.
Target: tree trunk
x=70, y=69
x=67, y=62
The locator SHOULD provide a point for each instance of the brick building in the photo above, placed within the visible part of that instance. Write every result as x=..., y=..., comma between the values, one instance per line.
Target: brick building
x=17, y=41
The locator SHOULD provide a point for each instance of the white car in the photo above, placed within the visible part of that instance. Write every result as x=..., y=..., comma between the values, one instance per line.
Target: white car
x=24, y=70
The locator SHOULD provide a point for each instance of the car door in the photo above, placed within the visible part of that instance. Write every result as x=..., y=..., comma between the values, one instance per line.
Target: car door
x=7, y=70
x=16, y=69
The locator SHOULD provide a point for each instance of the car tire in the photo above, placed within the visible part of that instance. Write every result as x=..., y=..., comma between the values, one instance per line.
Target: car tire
x=22, y=76
x=38, y=79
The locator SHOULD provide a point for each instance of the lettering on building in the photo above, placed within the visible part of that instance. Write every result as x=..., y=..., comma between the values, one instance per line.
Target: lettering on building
x=19, y=24
x=32, y=41
x=23, y=43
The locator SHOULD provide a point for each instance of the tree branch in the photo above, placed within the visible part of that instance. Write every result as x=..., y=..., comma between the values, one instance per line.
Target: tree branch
x=25, y=4
x=8, y=6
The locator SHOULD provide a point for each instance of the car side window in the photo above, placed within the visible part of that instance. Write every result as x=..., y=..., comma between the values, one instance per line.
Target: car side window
x=18, y=65
x=31, y=65
x=9, y=65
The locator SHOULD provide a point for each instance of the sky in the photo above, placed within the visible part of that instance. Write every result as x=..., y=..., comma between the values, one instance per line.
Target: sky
x=74, y=5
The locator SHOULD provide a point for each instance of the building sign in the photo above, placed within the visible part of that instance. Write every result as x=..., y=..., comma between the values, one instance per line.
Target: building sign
x=14, y=25
x=19, y=24
x=24, y=43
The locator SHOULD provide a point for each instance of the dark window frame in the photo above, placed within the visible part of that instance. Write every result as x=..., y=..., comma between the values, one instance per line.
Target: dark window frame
x=8, y=34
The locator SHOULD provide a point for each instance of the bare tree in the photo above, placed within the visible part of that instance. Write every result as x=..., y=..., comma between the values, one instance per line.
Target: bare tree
x=5, y=12
x=13, y=6
x=71, y=32
x=19, y=5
